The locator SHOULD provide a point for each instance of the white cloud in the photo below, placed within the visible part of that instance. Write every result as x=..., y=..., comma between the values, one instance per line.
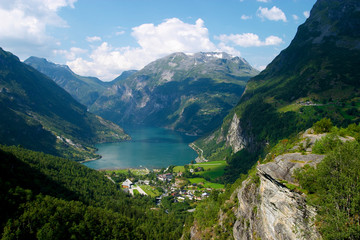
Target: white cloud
x=295, y=17
x=93, y=39
x=173, y=35
x=72, y=54
x=245, y=17
x=273, y=14
x=155, y=41
x=230, y=50
x=249, y=40
x=264, y=1
x=306, y=14
x=120, y=33
x=23, y=24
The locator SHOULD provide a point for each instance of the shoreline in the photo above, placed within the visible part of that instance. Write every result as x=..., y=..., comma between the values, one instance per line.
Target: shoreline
x=129, y=168
x=90, y=160
x=200, y=158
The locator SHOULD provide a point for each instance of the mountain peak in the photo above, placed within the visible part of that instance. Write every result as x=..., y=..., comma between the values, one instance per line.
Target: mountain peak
x=43, y=62
x=333, y=20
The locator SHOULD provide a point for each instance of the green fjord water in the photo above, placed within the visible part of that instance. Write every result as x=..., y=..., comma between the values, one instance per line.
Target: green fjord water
x=149, y=147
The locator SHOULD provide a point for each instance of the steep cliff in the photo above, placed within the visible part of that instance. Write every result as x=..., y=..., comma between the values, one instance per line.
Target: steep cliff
x=270, y=210
x=270, y=203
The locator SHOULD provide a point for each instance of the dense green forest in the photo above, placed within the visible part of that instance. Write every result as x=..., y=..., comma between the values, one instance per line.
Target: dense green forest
x=48, y=197
x=333, y=187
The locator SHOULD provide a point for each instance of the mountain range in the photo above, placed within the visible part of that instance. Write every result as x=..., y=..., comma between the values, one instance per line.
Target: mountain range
x=185, y=92
x=84, y=89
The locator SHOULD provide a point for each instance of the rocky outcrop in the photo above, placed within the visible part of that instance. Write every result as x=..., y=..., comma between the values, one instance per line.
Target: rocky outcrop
x=284, y=165
x=269, y=210
x=269, y=204
x=234, y=137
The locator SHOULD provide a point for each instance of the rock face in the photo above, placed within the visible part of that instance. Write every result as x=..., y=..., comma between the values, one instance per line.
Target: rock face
x=235, y=137
x=284, y=165
x=269, y=210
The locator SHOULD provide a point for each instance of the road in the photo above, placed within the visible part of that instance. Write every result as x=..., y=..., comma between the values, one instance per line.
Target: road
x=131, y=190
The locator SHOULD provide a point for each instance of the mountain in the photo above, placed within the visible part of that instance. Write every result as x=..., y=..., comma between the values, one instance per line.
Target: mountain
x=38, y=114
x=124, y=75
x=291, y=181
x=84, y=89
x=185, y=92
x=316, y=76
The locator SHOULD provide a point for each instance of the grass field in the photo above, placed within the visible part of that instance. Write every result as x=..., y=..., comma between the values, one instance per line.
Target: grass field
x=206, y=183
x=151, y=191
x=212, y=169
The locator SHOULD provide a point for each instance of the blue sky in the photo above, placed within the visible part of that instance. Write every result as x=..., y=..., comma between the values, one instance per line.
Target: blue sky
x=102, y=38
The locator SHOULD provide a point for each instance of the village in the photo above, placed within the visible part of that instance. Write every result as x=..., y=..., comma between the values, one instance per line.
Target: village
x=190, y=183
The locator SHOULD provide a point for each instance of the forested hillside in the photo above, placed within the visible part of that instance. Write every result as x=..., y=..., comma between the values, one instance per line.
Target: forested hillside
x=48, y=197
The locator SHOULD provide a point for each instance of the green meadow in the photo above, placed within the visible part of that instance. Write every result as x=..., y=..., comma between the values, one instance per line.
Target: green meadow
x=212, y=169
x=207, y=184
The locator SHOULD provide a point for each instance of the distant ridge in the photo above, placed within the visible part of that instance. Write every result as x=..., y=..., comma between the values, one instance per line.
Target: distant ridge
x=84, y=89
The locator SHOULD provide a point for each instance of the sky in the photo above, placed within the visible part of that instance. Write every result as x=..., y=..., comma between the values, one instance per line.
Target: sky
x=103, y=38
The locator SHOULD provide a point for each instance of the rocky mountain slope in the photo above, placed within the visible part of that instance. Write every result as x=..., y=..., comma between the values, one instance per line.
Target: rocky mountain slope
x=189, y=93
x=38, y=114
x=270, y=207
x=316, y=76
x=270, y=203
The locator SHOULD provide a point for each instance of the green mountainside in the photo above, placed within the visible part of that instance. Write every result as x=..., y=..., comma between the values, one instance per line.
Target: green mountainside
x=84, y=89
x=188, y=93
x=316, y=76
x=38, y=114
x=124, y=75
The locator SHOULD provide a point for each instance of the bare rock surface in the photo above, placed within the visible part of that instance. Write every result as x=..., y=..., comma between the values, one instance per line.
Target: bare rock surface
x=284, y=165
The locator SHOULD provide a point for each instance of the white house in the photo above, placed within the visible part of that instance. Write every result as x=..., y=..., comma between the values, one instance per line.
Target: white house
x=127, y=184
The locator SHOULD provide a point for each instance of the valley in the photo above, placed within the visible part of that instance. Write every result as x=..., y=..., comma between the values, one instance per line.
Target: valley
x=196, y=143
